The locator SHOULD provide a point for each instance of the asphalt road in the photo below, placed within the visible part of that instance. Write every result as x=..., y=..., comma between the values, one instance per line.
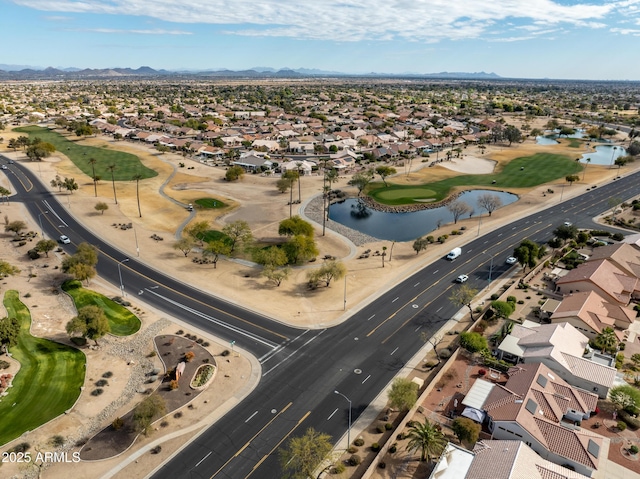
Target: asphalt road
x=301, y=368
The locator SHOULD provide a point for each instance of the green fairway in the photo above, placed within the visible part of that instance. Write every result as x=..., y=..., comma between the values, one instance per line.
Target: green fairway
x=524, y=172
x=48, y=383
x=122, y=321
x=127, y=165
x=214, y=235
x=209, y=203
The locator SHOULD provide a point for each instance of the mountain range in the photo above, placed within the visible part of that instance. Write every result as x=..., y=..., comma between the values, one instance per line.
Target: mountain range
x=24, y=72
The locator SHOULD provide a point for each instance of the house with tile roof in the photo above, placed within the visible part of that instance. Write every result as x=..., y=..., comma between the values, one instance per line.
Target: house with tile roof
x=590, y=313
x=560, y=347
x=623, y=255
x=538, y=407
x=604, y=277
x=498, y=459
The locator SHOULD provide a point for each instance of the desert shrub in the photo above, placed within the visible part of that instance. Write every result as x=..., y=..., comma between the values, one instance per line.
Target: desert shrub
x=358, y=442
x=189, y=355
x=173, y=384
x=511, y=299
x=21, y=447
x=355, y=460
x=632, y=422
x=156, y=450
x=494, y=296
x=375, y=447
x=101, y=382
x=226, y=352
x=634, y=449
x=4, y=364
x=117, y=423
x=473, y=342
x=97, y=392
x=621, y=425
x=57, y=441
x=393, y=448
x=179, y=332
x=107, y=375
x=388, y=426
x=339, y=468
x=151, y=354
x=444, y=353
x=178, y=415
x=382, y=464
x=380, y=429
x=164, y=423
x=352, y=449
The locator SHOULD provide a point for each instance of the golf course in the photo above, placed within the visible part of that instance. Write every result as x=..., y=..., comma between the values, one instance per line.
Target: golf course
x=523, y=172
x=48, y=370
x=126, y=165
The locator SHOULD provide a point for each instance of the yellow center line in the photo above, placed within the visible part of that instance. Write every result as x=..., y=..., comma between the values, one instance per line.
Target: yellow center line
x=249, y=441
x=195, y=300
x=435, y=283
x=257, y=465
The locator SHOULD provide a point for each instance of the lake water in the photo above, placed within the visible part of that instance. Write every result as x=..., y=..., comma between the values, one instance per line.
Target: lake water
x=604, y=155
x=550, y=138
x=406, y=226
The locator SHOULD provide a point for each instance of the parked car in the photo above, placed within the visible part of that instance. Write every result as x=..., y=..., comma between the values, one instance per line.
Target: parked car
x=511, y=260
x=462, y=278
x=65, y=239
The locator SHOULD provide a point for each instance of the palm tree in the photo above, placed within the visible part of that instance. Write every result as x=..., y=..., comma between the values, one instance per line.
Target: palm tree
x=92, y=162
x=607, y=340
x=112, y=168
x=584, y=172
x=137, y=177
x=428, y=438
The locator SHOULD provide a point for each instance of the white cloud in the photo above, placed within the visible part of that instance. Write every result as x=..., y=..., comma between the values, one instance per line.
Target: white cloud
x=354, y=20
x=138, y=32
x=626, y=31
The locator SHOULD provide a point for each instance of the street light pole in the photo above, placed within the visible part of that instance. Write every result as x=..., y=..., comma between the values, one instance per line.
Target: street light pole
x=120, y=276
x=349, y=429
x=344, y=306
x=40, y=220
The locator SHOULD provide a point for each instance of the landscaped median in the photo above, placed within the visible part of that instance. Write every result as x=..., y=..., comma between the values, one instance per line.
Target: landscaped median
x=121, y=321
x=48, y=383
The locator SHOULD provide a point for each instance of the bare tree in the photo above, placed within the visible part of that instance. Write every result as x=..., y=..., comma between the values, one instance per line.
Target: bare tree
x=489, y=202
x=457, y=209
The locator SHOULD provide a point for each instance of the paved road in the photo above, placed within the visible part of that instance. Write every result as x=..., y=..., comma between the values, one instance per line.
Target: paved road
x=301, y=369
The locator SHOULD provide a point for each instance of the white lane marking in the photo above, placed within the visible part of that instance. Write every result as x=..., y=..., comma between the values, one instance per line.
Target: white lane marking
x=54, y=213
x=201, y=460
x=293, y=353
x=500, y=234
x=392, y=352
x=331, y=415
x=439, y=308
x=272, y=353
x=415, y=330
x=395, y=299
x=416, y=284
x=211, y=319
x=251, y=417
x=436, y=271
x=365, y=379
x=371, y=317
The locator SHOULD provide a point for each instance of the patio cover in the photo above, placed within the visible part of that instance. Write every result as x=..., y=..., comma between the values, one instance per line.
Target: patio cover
x=474, y=414
x=478, y=394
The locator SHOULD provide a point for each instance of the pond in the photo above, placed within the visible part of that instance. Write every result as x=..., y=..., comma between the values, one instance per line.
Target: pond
x=551, y=138
x=406, y=226
x=604, y=155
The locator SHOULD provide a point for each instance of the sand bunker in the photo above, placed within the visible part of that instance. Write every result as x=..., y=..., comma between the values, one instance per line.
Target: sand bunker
x=470, y=164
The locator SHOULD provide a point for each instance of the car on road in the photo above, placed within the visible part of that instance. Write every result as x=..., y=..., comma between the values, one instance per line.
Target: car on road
x=11, y=162
x=65, y=239
x=462, y=278
x=4, y=167
x=568, y=223
x=511, y=260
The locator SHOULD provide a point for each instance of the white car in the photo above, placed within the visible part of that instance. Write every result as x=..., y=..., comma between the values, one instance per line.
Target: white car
x=568, y=223
x=511, y=260
x=65, y=239
x=462, y=278
x=4, y=167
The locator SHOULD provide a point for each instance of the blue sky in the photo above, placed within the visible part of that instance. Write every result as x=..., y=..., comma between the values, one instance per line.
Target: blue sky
x=564, y=39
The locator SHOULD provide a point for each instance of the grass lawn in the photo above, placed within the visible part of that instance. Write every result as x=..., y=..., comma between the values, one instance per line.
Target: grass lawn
x=49, y=380
x=523, y=172
x=127, y=165
x=214, y=235
x=122, y=321
x=209, y=203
